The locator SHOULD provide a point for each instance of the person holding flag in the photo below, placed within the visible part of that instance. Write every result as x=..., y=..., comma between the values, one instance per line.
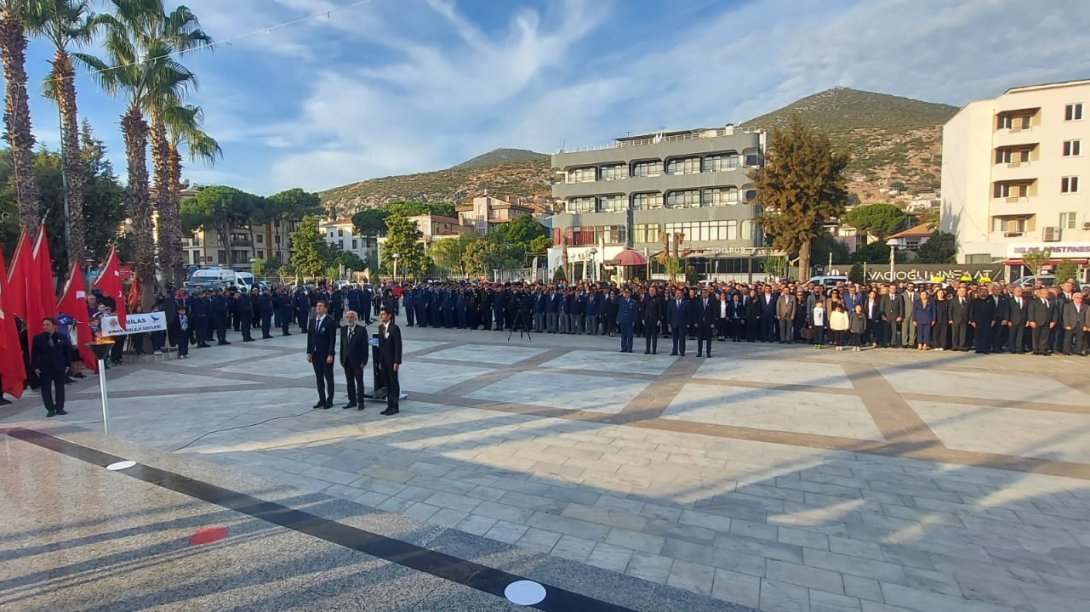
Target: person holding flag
x=73, y=305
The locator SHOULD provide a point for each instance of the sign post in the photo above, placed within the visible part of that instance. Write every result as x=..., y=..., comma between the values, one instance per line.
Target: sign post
x=101, y=348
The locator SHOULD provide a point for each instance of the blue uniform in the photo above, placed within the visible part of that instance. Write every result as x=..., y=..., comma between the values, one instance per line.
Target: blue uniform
x=627, y=311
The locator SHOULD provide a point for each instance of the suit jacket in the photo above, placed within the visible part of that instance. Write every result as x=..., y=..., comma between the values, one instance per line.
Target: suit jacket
x=652, y=309
x=891, y=308
x=1018, y=315
x=354, y=350
x=321, y=341
x=959, y=313
x=389, y=348
x=1076, y=320
x=677, y=313
x=1040, y=313
x=51, y=353
x=708, y=316
x=785, y=307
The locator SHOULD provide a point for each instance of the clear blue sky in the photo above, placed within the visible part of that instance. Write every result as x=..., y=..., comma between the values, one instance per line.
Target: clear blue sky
x=398, y=86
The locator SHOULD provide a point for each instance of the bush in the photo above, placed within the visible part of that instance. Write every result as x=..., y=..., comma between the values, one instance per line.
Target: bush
x=1066, y=270
x=856, y=273
x=559, y=275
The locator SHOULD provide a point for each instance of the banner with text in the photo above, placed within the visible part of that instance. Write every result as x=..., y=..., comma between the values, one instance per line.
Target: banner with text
x=135, y=324
x=937, y=273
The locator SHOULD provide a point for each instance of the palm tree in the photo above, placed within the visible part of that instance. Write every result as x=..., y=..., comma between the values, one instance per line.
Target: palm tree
x=63, y=23
x=17, y=110
x=183, y=128
x=141, y=66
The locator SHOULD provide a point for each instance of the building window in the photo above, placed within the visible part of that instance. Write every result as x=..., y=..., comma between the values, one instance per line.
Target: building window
x=1072, y=148
x=259, y=238
x=330, y=233
x=683, y=199
x=581, y=205
x=196, y=241
x=1011, y=190
x=340, y=233
x=753, y=160
x=609, y=234
x=720, y=163
x=582, y=175
x=222, y=256
x=612, y=203
x=1069, y=184
x=615, y=172
x=721, y=196
x=647, y=168
x=646, y=232
x=276, y=239
x=355, y=244
x=1011, y=156
x=1010, y=225
x=646, y=201
x=707, y=231
x=747, y=230
x=1073, y=112
x=1014, y=122
x=261, y=254
x=687, y=165
x=1067, y=220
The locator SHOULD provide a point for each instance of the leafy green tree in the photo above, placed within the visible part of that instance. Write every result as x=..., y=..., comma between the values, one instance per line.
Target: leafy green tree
x=559, y=275
x=220, y=208
x=876, y=253
x=348, y=259
x=19, y=133
x=1036, y=259
x=370, y=221
x=293, y=204
x=448, y=253
x=403, y=238
x=800, y=187
x=940, y=248
x=412, y=209
x=1065, y=270
x=826, y=244
x=103, y=195
x=880, y=220
x=856, y=273
x=540, y=245
x=310, y=251
x=478, y=257
x=522, y=231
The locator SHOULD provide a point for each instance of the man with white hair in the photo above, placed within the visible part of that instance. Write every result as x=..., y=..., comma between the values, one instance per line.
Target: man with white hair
x=354, y=349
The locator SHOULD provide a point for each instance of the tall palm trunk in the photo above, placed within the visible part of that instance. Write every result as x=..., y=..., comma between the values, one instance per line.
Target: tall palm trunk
x=167, y=223
x=174, y=190
x=17, y=116
x=64, y=75
x=138, y=202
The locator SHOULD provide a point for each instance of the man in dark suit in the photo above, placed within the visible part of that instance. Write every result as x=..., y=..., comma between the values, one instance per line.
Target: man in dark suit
x=354, y=350
x=245, y=306
x=677, y=315
x=265, y=307
x=960, y=309
x=50, y=356
x=1074, y=320
x=768, y=315
x=785, y=316
x=982, y=320
x=321, y=350
x=651, y=310
x=1041, y=322
x=389, y=352
x=892, y=309
x=705, y=325
x=1018, y=321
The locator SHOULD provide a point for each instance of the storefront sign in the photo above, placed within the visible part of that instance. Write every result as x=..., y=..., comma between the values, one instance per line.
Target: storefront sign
x=1060, y=250
x=928, y=273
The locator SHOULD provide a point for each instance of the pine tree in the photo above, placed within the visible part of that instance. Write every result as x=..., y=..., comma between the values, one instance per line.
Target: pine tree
x=800, y=187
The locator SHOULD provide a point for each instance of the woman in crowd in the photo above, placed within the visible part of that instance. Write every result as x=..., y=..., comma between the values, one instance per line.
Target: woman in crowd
x=941, y=335
x=923, y=313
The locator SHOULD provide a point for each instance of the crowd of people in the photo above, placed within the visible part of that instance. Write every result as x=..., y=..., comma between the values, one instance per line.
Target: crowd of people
x=960, y=316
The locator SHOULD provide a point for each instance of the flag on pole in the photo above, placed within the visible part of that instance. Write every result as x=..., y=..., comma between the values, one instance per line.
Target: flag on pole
x=133, y=302
x=12, y=368
x=16, y=288
x=109, y=282
x=41, y=299
x=74, y=304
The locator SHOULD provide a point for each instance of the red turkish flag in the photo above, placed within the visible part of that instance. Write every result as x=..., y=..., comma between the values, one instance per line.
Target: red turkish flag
x=16, y=287
x=74, y=304
x=41, y=299
x=12, y=368
x=109, y=282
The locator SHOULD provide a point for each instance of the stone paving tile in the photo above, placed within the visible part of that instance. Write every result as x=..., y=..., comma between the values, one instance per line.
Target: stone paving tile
x=610, y=557
x=576, y=549
x=821, y=601
x=655, y=568
x=691, y=576
x=863, y=588
x=783, y=597
x=738, y=588
x=802, y=575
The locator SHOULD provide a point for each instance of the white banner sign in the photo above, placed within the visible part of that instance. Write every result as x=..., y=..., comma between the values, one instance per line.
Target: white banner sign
x=135, y=324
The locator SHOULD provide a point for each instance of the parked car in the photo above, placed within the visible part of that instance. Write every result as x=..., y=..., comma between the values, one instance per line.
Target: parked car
x=1046, y=280
x=828, y=281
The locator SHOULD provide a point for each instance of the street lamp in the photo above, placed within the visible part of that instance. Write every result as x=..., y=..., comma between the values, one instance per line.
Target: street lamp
x=591, y=253
x=396, y=257
x=893, y=244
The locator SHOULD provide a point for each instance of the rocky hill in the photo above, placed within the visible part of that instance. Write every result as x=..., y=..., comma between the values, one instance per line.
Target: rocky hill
x=504, y=173
x=892, y=140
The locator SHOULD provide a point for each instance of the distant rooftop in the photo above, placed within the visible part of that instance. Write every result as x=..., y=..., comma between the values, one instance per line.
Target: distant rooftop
x=1057, y=84
x=653, y=138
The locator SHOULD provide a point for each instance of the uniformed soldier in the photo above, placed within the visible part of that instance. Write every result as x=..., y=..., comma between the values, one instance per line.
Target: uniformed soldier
x=266, y=307
x=245, y=309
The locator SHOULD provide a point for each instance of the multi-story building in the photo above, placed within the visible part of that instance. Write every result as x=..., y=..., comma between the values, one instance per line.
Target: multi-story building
x=248, y=242
x=1012, y=176
x=342, y=233
x=433, y=227
x=631, y=193
x=487, y=212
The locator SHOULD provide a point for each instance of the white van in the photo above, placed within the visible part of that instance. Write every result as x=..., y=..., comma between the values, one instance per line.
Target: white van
x=828, y=281
x=220, y=278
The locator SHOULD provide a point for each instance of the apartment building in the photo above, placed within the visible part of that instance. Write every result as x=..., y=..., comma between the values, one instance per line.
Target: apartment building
x=486, y=212
x=342, y=233
x=434, y=227
x=248, y=242
x=1014, y=174
x=690, y=184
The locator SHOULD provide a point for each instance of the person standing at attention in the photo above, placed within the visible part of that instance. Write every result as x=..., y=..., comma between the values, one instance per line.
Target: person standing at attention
x=354, y=349
x=389, y=351
x=627, y=311
x=51, y=353
x=321, y=349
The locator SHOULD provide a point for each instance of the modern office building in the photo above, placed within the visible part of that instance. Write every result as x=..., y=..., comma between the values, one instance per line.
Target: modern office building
x=1013, y=174
x=635, y=191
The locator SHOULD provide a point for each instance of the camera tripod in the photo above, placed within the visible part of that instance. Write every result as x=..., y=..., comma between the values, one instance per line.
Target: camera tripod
x=522, y=324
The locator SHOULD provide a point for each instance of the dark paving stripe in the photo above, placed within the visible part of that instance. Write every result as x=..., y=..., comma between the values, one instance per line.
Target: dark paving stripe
x=994, y=403
x=441, y=565
x=899, y=424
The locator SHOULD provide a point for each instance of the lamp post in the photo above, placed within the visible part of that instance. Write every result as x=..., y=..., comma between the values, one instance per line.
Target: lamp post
x=594, y=260
x=101, y=349
x=396, y=257
x=893, y=244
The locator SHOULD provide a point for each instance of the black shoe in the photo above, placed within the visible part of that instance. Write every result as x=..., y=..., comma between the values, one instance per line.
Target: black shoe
x=699, y=355
x=327, y=406
x=265, y=337
x=647, y=352
x=80, y=375
x=319, y=405
x=222, y=342
x=69, y=380
x=287, y=333
x=360, y=406
x=202, y=345
x=673, y=354
x=247, y=339
x=4, y=402
x=389, y=412
x=50, y=414
x=350, y=405
x=61, y=411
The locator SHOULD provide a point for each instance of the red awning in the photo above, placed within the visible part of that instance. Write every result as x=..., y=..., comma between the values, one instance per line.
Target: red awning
x=629, y=257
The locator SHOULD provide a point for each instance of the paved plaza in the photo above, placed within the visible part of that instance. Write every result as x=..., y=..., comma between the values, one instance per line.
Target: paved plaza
x=768, y=477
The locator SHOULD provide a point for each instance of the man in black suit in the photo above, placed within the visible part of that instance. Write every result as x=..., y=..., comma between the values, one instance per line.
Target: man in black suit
x=768, y=315
x=1074, y=322
x=50, y=355
x=677, y=315
x=960, y=308
x=389, y=352
x=354, y=349
x=652, y=311
x=892, y=310
x=708, y=307
x=1041, y=321
x=1018, y=321
x=321, y=349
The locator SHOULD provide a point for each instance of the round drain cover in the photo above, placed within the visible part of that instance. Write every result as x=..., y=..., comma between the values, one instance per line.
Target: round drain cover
x=525, y=593
x=120, y=465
